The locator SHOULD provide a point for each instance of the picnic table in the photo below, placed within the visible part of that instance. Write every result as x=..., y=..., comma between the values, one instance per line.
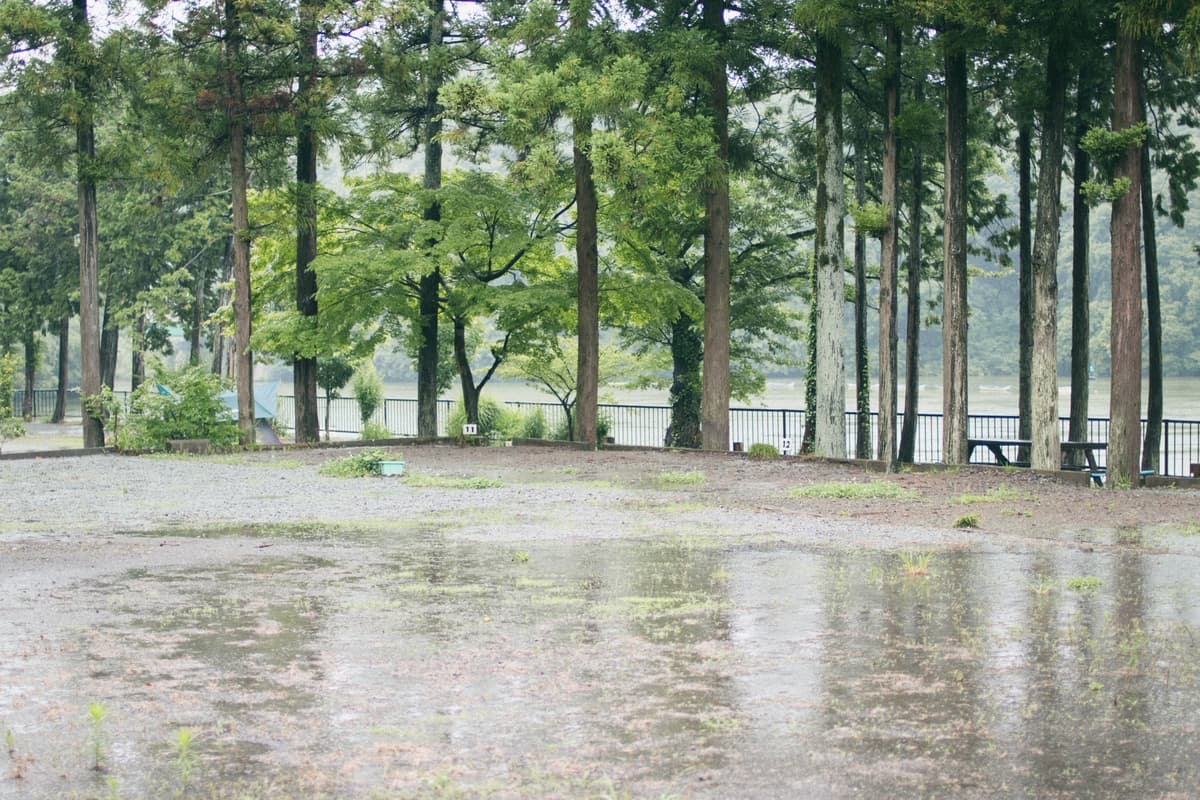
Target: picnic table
x=1088, y=449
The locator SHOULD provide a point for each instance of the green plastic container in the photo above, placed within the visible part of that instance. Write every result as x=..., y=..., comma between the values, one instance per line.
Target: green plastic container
x=391, y=467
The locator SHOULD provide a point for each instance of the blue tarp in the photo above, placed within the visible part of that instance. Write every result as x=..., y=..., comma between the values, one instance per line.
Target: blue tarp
x=264, y=400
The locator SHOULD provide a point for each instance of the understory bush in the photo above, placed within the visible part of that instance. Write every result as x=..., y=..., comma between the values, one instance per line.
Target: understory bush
x=10, y=426
x=189, y=407
x=356, y=465
x=494, y=418
x=374, y=430
x=762, y=452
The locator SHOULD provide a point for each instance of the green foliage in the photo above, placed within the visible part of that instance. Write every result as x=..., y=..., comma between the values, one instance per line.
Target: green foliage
x=333, y=373
x=441, y=482
x=680, y=479
x=915, y=564
x=853, y=491
x=1084, y=584
x=374, y=430
x=356, y=465
x=967, y=521
x=368, y=390
x=1108, y=147
x=533, y=425
x=761, y=451
x=191, y=409
x=10, y=426
x=870, y=219
x=494, y=418
x=1001, y=494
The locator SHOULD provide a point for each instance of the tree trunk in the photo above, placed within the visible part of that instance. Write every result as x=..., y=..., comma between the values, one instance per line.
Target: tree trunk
x=1080, y=271
x=1045, y=452
x=328, y=406
x=241, y=227
x=218, y=337
x=862, y=377
x=110, y=339
x=686, y=356
x=470, y=394
x=1124, y=436
x=197, y=321
x=304, y=368
x=64, y=355
x=137, y=367
x=587, y=263
x=89, y=292
x=954, y=259
x=429, y=286
x=31, y=352
x=1152, y=444
x=912, y=323
x=888, y=273
x=714, y=429
x=808, y=439
x=831, y=282
x=1024, y=285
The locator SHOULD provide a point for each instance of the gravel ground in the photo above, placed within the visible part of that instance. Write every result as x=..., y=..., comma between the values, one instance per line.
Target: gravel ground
x=600, y=624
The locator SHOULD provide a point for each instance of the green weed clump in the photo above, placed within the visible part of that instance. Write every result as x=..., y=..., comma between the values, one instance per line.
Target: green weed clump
x=1084, y=583
x=372, y=431
x=358, y=465
x=915, y=565
x=1000, y=494
x=680, y=479
x=760, y=451
x=439, y=482
x=967, y=521
x=854, y=491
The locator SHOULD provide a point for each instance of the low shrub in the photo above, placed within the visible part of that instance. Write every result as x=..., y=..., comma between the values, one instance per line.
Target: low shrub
x=762, y=452
x=356, y=465
x=533, y=425
x=373, y=430
x=494, y=418
x=188, y=407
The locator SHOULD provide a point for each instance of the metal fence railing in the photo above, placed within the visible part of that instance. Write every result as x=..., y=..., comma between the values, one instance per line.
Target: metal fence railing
x=646, y=426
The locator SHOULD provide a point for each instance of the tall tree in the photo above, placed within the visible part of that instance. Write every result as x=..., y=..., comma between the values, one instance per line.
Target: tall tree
x=80, y=57
x=954, y=249
x=235, y=105
x=304, y=367
x=587, y=257
x=1077, y=430
x=888, y=259
x=831, y=285
x=1124, y=436
x=1045, y=452
x=714, y=431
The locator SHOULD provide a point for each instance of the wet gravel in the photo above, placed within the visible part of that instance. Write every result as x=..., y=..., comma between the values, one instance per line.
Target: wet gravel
x=612, y=624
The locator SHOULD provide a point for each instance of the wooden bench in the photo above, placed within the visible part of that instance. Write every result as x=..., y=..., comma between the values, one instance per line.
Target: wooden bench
x=996, y=446
x=1089, y=449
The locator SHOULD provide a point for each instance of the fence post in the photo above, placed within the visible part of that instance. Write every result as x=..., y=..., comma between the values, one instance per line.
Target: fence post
x=1166, y=454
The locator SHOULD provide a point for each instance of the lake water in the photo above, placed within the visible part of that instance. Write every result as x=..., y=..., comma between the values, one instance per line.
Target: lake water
x=987, y=395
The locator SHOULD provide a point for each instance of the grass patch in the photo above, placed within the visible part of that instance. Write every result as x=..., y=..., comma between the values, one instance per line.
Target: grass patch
x=1001, y=494
x=440, y=482
x=915, y=565
x=1180, y=529
x=1084, y=583
x=680, y=479
x=967, y=521
x=762, y=452
x=854, y=491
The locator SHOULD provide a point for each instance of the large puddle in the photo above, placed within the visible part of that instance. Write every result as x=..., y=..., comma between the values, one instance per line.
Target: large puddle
x=420, y=665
